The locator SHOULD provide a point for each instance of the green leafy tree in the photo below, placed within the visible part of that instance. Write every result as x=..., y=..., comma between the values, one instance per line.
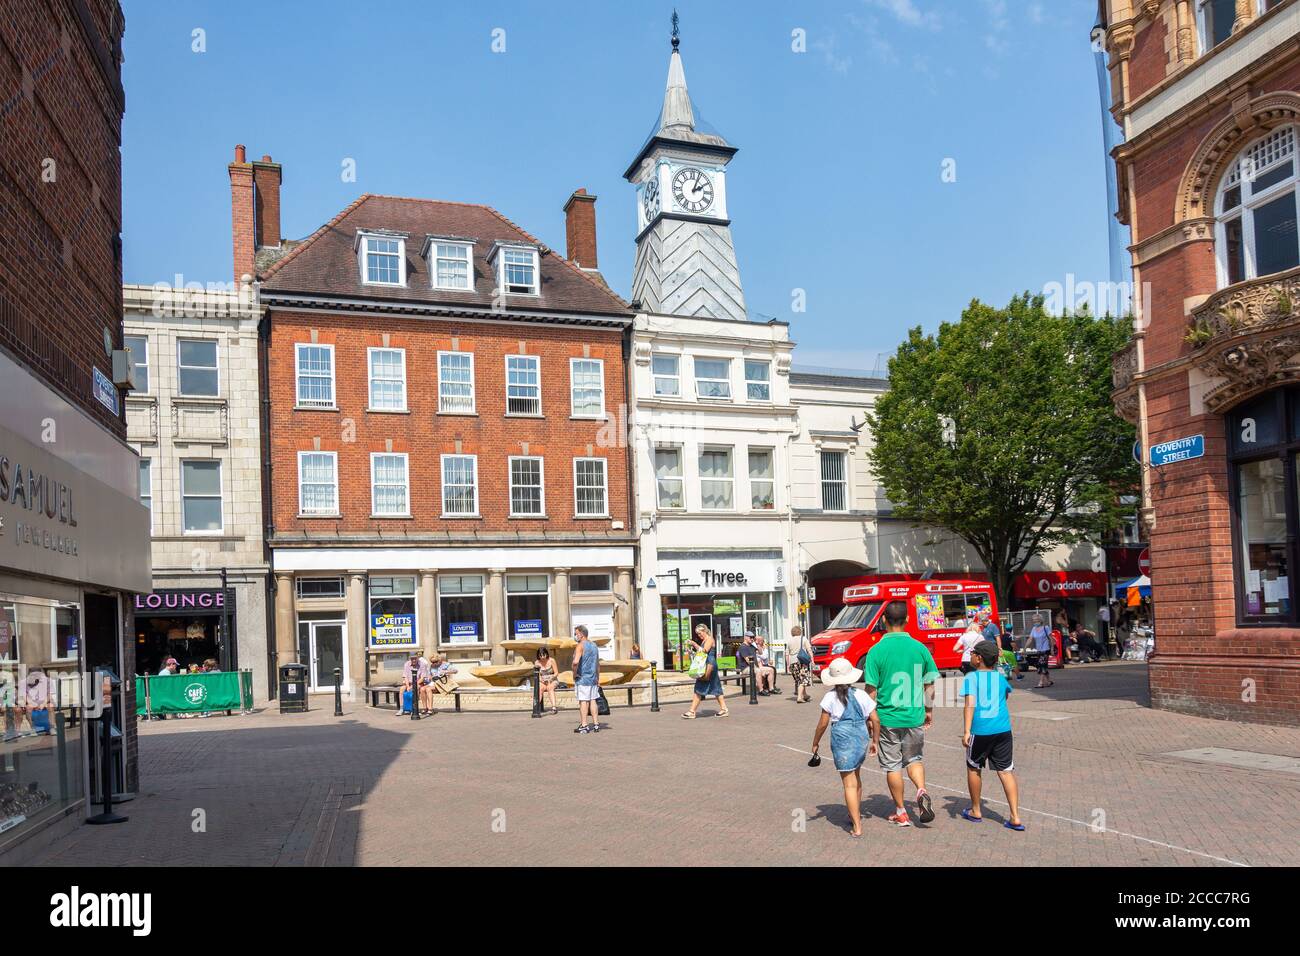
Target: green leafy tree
x=1000, y=429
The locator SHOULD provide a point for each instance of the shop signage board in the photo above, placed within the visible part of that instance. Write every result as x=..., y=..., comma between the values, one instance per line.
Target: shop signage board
x=392, y=630
x=190, y=601
x=530, y=628
x=1060, y=584
x=722, y=576
x=1180, y=449
x=463, y=630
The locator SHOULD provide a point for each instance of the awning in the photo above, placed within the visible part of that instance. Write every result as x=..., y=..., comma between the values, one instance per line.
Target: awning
x=1141, y=582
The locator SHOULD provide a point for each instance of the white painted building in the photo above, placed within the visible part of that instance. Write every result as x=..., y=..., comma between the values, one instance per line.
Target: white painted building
x=711, y=416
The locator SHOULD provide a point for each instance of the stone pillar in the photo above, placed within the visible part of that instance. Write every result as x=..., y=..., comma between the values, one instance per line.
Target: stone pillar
x=496, y=613
x=561, y=617
x=1245, y=14
x=624, y=608
x=286, y=634
x=1185, y=45
x=426, y=602
x=358, y=631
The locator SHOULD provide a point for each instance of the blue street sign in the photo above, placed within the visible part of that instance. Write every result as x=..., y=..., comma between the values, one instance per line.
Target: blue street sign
x=1180, y=449
x=1137, y=452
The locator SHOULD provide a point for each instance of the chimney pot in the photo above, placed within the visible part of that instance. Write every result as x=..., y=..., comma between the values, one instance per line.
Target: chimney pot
x=580, y=229
x=240, y=155
x=266, y=158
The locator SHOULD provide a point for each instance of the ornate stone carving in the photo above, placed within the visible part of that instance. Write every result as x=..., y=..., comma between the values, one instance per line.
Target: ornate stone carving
x=1220, y=147
x=641, y=353
x=1151, y=8
x=1124, y=366
x=1250, y=306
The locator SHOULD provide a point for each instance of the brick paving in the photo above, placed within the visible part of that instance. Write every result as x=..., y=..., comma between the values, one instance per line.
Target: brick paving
x=368, y=788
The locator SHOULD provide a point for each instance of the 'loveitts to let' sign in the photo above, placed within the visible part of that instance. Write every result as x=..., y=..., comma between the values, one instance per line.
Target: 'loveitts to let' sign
x=1180, y=449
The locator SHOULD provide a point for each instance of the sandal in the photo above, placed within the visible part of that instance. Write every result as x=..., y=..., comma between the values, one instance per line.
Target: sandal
x=967, y=815
x=689, y=715
x=1018, y=827
x=724, y=712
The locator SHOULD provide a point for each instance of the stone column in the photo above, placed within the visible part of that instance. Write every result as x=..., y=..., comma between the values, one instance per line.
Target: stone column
x=1245, y=14
x=624, y=608
x=561, y=618
x=286, y=634
x=358, y=632
x=496, y=613
x=426, y=601
x=1185, y=45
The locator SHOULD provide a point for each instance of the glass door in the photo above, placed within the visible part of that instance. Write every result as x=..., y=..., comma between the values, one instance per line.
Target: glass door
x=320, y=645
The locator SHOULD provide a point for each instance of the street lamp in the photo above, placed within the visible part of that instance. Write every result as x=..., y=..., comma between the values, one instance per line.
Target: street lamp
x=676, y=574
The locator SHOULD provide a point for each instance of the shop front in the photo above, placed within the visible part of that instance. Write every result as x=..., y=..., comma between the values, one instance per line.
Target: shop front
x=729, y=595
x=1062, y=597
x=459, y=603
x=194, y=625
x=73, y=539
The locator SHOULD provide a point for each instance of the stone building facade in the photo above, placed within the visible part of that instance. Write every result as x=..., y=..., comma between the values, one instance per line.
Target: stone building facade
x=194, y=416
x=1207, y=93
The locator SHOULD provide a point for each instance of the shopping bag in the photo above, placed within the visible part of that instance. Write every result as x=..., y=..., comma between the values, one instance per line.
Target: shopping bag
x=602, y=705
x=699, y=664
x=408, y=699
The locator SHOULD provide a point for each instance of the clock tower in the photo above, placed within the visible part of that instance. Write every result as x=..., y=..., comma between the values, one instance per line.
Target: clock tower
x=685, y=260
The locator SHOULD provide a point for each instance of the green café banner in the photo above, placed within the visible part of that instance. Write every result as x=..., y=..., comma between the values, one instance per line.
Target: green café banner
x=194, y=693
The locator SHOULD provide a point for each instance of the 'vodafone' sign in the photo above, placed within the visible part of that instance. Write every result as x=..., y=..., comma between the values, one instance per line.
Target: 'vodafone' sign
x=1060, y=584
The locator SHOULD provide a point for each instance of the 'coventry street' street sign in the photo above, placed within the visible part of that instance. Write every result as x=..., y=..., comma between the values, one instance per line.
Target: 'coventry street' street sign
x=1180, y=449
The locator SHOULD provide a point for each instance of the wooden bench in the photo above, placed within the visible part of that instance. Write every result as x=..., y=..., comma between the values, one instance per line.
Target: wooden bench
x=392, y=694
x=740, y=675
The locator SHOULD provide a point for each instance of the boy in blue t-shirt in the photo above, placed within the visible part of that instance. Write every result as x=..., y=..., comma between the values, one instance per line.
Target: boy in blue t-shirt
x=987, y=731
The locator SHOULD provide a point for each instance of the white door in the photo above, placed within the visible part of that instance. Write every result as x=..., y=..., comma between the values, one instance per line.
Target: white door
x=599, y=619
x=321, y=648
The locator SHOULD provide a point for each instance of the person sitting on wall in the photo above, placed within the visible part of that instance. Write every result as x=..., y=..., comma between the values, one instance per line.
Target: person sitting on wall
x=440, y=670
x=1089, y=647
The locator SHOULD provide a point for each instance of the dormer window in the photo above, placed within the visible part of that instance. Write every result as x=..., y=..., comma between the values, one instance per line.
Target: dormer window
x=383, y=258
x=450, y=264
x=517, y=270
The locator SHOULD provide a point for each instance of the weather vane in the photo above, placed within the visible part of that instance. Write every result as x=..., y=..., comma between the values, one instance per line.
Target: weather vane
x=676, y=34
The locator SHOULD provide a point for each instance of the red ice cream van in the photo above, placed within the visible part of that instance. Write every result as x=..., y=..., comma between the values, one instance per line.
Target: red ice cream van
x=937, y=612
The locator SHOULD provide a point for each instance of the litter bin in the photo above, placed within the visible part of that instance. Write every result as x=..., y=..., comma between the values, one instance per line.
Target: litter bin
x=293, y=689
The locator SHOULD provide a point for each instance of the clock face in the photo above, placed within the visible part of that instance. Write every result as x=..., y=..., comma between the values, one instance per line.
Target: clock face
x=650, y=198
x=692, y=189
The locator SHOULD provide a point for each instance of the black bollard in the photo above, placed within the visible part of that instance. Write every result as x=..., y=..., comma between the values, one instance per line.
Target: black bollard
x=106, y=815
x=753, y=684
x=338, y=692
x=537, y=691
x=654, y=687
x=415, y=688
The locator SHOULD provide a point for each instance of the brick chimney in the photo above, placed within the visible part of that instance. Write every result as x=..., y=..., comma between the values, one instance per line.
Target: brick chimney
x=254, y=208
x=580, y=229
x=242, y=226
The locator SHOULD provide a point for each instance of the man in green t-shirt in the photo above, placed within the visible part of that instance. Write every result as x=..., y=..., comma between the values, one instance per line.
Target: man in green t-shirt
x=900, y=676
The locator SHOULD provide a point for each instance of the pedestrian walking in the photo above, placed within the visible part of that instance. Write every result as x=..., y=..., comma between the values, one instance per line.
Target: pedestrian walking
x=965, y=642
x=903, y=669
x=801, y=671
x=1040, y=637
x=855, y=731
x=986, y=733
x=586, y=681
x=707, y=682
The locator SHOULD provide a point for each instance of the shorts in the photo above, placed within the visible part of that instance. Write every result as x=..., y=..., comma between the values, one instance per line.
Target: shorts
x=995, y=749
x=1044, y=662
x=900, y=746
x=587, y=691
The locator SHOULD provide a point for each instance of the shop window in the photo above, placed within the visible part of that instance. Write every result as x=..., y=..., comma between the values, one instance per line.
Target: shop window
x=460, y=609
x=319, y=587
x=717, y=479
x=1256, y=210
x=762, y=483
x=201, y=496
x=528, y=605
x=392, y=612
x=1264, y=453
x=668, y=475
x=197, y=367
x=41, y=755
x=589, y=583
x=758, y=615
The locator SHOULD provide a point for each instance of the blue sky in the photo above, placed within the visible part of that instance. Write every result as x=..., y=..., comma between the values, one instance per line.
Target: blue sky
x=838, y=188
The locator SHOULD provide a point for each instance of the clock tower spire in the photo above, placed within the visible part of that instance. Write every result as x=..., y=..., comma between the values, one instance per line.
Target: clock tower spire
x=685, y=259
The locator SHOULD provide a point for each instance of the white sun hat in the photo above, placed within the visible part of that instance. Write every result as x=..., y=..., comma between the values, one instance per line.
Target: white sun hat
x=840, y=671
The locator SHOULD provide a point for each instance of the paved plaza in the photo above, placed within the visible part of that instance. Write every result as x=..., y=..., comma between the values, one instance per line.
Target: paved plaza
x=1099, y=784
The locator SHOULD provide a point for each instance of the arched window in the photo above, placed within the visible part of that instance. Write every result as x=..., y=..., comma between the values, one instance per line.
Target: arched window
x=1255, y=210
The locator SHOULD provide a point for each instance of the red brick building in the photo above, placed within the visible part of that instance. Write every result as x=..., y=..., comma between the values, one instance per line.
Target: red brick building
x=445, y=433
x=1207, y=93
x=74, y=537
